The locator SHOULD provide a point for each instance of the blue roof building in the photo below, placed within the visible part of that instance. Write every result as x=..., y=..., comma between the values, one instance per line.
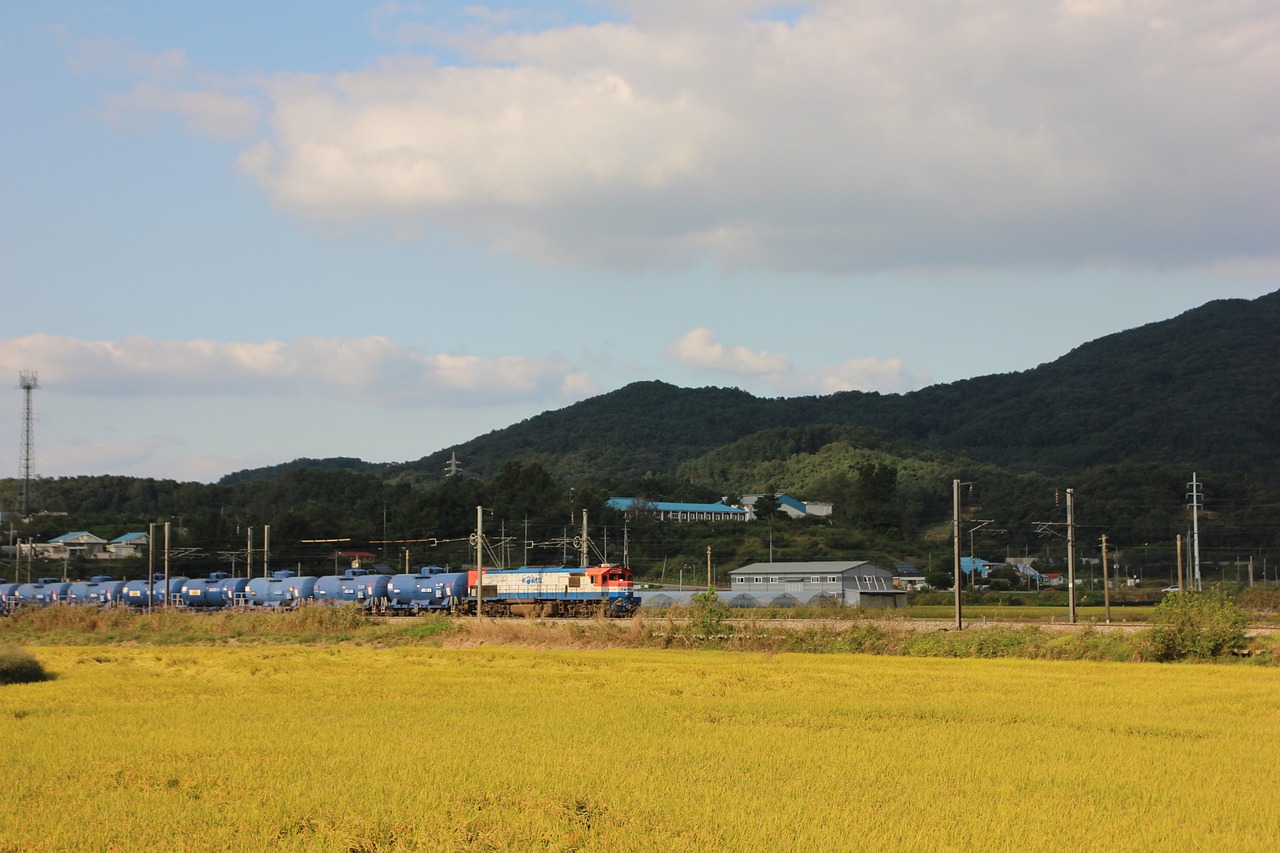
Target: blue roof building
x=968, y=564
x=671, y=511
x=128, y=545
x=79, y=543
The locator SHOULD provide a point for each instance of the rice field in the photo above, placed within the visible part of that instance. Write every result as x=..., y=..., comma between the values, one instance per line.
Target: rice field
x=356, y=748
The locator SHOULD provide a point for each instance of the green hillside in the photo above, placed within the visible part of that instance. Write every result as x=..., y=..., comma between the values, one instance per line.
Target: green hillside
x=1202, y=389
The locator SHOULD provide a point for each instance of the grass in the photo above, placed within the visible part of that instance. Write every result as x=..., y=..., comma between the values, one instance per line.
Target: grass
x=1033, y=613
x=855, y=631
x=359, y=747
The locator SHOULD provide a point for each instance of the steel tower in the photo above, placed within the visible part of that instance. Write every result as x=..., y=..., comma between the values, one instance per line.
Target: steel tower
x=28, y=382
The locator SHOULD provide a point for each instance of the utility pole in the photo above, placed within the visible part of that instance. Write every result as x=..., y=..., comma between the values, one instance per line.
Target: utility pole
x=166, y=564
x=1250, y=570
x=1106, y=584
x=955, y=540
x=1071, y=553
x=266, y=550
x=151, y=565
x=1182, y=587
x=479, y=562
x=1196, y=499
x=586, y=546
x=710, y=585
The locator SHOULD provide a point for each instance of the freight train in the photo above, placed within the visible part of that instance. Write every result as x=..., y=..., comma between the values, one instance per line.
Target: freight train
x=603, y=590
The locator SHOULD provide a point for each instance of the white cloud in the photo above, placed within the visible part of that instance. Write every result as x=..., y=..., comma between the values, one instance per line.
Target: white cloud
x=844, y=137
x=699, y=348
x=766, y=372
x=370, y=370
x=862, y=374
x=208, y=112
x=107, y=57
x=578, y=386
x=409, y=138
x=212, y=105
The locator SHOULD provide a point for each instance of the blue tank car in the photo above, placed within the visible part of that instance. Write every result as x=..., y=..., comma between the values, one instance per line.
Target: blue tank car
x=351, y=585
x=43, y=592
x=415, y=593
x=231, y=592
x=99, y=590
x=204, y=593
x=152, y=593
x=283, y=589
x=8, y=596
x=139, y=593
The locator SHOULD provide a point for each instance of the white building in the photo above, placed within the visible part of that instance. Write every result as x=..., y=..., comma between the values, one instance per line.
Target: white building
x=790, y=506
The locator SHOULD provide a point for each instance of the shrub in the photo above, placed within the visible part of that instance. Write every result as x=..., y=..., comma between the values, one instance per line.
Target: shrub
x=707, y=615
x=1196, y=625
x=20, y=667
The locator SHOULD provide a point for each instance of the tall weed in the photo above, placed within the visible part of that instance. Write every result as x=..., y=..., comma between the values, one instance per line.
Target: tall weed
x=18, y=666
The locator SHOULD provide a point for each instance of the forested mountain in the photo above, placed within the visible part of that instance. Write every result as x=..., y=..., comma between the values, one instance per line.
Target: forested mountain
x=1202, y=389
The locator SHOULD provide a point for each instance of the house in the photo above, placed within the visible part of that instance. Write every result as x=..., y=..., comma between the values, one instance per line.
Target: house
x=128, y=545
x=857, y=583
x=359, y=559
x=792, y=507
x=907, y=577
x=969, y=565
x=668, y=511
x=79, y=544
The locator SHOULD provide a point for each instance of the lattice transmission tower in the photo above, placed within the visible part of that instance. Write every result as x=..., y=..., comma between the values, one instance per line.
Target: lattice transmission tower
x=28, y=382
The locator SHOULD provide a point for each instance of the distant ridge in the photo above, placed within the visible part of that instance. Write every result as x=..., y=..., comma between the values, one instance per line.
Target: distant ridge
x=334, y=463
x=1200, y=389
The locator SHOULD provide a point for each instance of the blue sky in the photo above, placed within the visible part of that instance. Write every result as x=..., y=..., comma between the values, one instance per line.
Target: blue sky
x=238, y=233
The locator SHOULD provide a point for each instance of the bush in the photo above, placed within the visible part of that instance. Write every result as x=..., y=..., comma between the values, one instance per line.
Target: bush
x=20, y=667
x=707, y=615
x=1197, y=625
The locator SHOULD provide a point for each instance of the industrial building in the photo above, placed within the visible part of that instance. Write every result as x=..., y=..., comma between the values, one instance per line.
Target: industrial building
x=858, y=583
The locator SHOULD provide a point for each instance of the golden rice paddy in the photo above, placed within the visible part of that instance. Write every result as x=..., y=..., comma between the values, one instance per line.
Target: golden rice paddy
x=355, y=748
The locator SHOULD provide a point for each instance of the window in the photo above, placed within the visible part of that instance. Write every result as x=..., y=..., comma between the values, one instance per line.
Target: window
x=833, y=579
x=773, y=579
x=758, y=579
x=739, y=580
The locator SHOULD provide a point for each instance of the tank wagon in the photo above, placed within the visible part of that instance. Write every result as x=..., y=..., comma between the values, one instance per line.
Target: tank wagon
x=100, y=590
x=604, y=590
x=282, y=589
x=43, y=592
x=8, y=596
x=359, y=585
x=430, y=589
x=153, y=593
x=219, y=590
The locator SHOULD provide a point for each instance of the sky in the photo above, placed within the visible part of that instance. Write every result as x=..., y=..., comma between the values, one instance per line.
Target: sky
x=234, y=234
